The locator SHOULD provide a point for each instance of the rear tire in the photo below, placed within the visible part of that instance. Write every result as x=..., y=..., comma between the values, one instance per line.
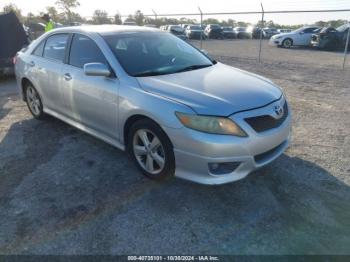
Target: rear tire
x=151, y=150
x=34, y=102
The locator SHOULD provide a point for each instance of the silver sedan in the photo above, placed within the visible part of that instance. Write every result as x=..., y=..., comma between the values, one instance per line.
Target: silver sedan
x=173, y=108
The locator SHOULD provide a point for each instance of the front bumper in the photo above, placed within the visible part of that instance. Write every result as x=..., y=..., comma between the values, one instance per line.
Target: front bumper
x=195, y=150
x=275, y=42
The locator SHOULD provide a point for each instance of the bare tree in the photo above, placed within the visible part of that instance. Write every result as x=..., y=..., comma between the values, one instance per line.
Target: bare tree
x=13, y=8
x=66, y=6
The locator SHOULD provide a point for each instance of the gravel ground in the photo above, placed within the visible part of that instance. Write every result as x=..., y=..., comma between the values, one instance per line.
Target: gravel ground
x=64, y=192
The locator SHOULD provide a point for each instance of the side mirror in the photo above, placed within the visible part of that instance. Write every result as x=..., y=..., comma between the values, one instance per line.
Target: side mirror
x=96, y=69
x=301, y=33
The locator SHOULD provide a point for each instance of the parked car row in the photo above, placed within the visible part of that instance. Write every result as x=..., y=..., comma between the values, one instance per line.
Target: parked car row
x=327, y=38
x=330, y=38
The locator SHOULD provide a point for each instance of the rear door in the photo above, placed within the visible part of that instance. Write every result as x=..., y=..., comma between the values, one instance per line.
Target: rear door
x=90, y=100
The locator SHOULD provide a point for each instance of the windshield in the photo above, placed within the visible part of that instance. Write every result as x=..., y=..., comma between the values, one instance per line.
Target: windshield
x=195, y=27
x=156, y=53
x=175, y=27
x=214, y=26
x=228, y=29
x=343, y=27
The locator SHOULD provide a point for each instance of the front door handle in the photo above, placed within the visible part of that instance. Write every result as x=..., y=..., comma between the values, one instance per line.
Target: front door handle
x=67, y=77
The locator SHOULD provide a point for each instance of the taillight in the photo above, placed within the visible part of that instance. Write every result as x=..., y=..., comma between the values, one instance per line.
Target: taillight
x=14, y=59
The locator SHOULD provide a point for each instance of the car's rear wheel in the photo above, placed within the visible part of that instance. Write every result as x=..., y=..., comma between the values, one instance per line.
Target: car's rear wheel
x=287, y=43
x=34, y=102
x=152, y=150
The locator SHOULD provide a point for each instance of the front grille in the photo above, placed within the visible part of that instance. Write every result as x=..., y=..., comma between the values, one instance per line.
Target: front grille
x=266, y=122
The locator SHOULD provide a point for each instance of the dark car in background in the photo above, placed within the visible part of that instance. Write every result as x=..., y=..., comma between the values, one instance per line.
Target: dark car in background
x=213, y=31
x=256, y=31
x=13, y=38
x=269, y=32
x=194, y=32
x=330, y=38
x=177, y=30
x=228, y=33
x=242, y=33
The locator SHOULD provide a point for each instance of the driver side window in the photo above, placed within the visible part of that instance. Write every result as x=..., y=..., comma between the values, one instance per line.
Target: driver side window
x=83, y=51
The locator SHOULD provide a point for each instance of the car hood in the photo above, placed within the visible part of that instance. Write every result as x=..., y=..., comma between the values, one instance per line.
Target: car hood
x=283, y=35
x=217, y=90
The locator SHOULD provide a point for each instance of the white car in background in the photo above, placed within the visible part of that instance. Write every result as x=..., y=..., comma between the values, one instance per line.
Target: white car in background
x=299, y=37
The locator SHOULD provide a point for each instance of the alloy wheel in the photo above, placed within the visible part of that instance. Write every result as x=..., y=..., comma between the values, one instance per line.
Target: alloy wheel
x=148, y=151
x=287, y=43
x=33, y=100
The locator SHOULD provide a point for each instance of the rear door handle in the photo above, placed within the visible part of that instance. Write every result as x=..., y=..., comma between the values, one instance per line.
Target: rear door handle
x=67, y=77
x=31, y=63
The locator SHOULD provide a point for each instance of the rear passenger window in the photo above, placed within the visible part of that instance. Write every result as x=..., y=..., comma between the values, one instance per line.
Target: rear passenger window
x=39, y=49
x=55, y=47
x=84, y=51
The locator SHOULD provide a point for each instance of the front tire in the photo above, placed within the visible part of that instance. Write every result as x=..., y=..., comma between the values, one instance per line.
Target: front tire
x=34, y=102
x=287, y=43
x=151, y=150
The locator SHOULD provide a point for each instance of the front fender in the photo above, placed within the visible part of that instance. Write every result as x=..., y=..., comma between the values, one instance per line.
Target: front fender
x=135, y=101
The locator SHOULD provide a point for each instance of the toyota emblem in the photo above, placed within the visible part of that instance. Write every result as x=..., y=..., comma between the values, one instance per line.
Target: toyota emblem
x=278, y=111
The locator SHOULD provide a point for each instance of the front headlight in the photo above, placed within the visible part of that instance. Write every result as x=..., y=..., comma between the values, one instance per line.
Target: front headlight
x=211, y=124
x=278, y=37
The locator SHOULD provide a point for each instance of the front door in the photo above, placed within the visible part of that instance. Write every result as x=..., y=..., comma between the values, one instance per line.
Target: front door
x=90, y=100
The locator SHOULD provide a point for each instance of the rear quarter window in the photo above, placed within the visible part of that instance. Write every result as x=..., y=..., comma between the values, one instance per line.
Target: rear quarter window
x=38, y=51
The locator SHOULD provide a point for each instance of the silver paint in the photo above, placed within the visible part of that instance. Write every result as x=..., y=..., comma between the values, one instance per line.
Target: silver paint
x=101, y=105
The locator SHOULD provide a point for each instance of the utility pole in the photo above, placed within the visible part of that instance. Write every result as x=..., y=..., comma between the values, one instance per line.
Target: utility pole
x=201, y=13
x=346, y=46
x=261, y=30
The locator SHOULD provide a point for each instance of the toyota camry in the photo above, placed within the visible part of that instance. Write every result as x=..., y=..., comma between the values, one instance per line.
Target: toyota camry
x=176, y=111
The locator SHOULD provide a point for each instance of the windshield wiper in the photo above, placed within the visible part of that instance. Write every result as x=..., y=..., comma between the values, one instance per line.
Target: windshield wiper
x=149, y=73
x=192, y=67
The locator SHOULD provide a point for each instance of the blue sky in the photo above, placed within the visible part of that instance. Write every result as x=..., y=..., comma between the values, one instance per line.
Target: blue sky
x=189, y=6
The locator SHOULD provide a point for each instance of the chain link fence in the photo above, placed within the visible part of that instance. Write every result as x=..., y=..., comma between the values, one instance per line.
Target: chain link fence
x=258, y=47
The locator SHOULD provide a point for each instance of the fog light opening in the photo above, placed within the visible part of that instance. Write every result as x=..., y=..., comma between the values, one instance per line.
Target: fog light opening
x=223, y=168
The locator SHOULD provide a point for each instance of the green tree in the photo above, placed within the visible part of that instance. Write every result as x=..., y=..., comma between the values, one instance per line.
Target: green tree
x=321, y=23
x=139, y=17
x=211, y=21
x=100, y=17
x=66, y=6
x=118, y=19
x=130, y=18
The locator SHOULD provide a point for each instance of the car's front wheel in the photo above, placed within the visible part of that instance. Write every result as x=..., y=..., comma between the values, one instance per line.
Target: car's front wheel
x=151, y=149
x=287, y=43
x=34, y=102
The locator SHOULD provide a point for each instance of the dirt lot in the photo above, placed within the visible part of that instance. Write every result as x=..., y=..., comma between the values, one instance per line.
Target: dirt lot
x=64, y=192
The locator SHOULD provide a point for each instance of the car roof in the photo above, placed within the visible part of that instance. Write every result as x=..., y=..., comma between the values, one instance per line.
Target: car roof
x=104, y=29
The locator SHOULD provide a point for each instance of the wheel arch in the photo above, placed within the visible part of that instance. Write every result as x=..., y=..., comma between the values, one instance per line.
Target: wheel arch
x=288, y=38
x=24, y=83
x=133, y=119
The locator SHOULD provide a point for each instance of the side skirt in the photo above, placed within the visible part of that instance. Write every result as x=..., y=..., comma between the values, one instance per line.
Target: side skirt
x=85, y=129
